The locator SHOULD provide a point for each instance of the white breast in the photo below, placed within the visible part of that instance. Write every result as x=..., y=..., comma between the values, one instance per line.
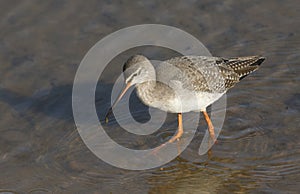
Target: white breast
x=192, y=102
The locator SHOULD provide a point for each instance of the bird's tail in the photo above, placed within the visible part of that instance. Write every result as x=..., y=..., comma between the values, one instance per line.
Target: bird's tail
x=243, y=66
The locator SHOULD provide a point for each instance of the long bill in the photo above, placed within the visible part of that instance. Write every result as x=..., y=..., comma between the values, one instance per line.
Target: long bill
x=116, y=102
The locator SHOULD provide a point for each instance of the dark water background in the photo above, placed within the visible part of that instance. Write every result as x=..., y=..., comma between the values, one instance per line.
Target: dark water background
x=42, y=44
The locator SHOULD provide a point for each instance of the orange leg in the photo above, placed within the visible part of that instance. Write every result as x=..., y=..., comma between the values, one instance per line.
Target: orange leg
x=211, y=129
x=175, y=137
x=180, y=129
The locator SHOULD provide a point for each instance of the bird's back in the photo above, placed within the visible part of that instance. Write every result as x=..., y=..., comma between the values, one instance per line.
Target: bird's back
x=207, y=74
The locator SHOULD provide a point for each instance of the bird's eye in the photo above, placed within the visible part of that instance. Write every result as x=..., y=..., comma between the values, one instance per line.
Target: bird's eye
x=136, y=73
x=132, y=76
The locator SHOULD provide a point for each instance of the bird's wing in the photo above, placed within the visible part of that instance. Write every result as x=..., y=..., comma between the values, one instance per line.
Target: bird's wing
x=198, y=73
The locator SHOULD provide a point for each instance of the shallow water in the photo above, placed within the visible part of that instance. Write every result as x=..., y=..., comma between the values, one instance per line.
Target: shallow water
x=42, y=44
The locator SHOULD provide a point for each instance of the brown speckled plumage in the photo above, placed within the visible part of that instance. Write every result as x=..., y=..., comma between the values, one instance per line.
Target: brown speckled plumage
x=214, y=74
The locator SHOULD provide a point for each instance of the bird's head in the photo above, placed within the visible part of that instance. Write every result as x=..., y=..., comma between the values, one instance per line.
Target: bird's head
x=137, y=69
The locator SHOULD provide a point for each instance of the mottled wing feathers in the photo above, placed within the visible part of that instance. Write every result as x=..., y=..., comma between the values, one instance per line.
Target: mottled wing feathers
x=197, y=73
x=243, y=66
x=211, y=74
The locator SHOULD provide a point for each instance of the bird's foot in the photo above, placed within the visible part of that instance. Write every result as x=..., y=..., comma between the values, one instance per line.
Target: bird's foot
x=176, y=137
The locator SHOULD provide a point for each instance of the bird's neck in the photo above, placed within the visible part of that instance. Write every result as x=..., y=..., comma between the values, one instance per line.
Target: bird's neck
x=149, y=90
x=146, y=87
x=146, y=92
x=149, y=81
x=153, y=93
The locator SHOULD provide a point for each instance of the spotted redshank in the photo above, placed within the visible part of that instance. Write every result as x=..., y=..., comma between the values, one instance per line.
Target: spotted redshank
x=184, y=84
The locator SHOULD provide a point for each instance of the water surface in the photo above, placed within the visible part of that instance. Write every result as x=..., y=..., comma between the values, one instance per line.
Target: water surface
x=42, y=44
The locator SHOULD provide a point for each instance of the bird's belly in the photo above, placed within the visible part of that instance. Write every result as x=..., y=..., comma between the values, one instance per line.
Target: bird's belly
x=186, y=102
